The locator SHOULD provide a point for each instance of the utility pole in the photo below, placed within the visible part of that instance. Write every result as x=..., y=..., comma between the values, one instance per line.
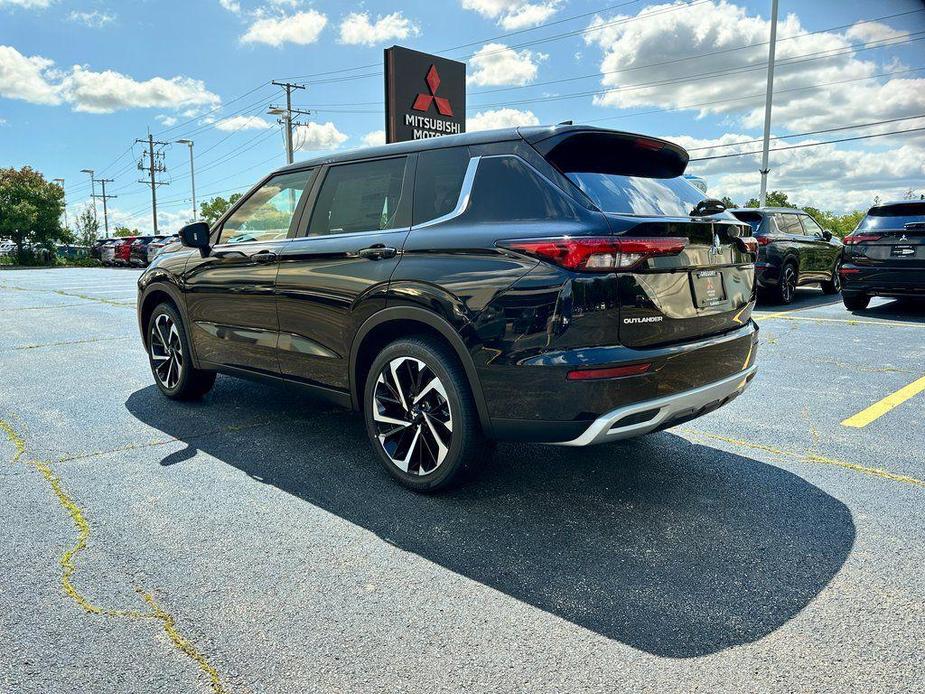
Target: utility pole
x=155, y=166
x=91, y=172
x=105, y=197
x=762, y=198
x=287, y=114
x=60, y=182
x=192, y=174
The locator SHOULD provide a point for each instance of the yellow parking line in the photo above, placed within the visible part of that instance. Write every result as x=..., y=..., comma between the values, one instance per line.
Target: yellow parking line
x=878, y=409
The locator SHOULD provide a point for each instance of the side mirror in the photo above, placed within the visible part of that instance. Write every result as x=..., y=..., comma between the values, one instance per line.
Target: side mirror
x=826, y=234
x=195, y=235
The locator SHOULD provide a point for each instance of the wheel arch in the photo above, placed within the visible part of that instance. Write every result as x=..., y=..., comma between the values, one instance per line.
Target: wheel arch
x=399, y=321
x=157, y=293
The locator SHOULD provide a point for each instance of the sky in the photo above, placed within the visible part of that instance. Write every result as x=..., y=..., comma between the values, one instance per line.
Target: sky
x=80, y=80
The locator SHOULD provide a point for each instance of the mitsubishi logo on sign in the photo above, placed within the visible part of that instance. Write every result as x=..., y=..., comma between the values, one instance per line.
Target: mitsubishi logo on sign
x=423, y=101
x=425, y=95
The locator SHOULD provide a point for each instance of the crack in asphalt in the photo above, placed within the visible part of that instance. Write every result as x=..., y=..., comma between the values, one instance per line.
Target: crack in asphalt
x=68, y=565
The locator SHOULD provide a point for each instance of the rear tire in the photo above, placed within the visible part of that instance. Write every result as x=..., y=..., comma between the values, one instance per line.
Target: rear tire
x=833, y=286
x=170, y=357
x=787, y=284
x=421, y=418
x=855, y=302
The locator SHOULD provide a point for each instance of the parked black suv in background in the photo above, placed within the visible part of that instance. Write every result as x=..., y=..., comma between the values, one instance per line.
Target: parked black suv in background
x=545, y=284
x=793, y=250
x=885, y=255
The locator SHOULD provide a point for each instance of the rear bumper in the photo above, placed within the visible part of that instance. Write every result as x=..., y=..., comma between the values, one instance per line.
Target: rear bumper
x=644, y=417
x=883, y=281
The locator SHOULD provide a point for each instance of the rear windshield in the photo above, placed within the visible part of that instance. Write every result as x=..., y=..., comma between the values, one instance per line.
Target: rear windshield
x=894, y=216
x=753, y=219
x=673, y=197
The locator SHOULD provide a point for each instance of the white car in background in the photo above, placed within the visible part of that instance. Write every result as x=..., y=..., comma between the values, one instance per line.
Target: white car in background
x=6, y=248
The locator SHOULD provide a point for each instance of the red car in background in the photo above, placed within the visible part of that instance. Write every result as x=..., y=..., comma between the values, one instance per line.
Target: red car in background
x=122, y=250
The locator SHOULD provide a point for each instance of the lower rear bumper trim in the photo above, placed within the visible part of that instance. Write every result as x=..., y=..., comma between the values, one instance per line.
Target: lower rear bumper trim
x=649, y=415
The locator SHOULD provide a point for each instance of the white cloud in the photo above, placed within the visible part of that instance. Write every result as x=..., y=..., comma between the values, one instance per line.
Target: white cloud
x=94, y=19
x=232, y=6
x=873, y=31
x=108, y=91
x=500, y=118
x=376, y=137
x=669, y=37
x=27, y=4
x=3, y=122
x=514, y=14
x=37, y=81
x=826, y=176
x=356, y=28
x=301, y=28
x=497, y=64
x=243, y=123
x=27, y=79
x=315, y=136
x=165, y=120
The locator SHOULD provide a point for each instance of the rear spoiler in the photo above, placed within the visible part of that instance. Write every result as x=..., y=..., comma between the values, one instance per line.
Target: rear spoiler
x=594, y=150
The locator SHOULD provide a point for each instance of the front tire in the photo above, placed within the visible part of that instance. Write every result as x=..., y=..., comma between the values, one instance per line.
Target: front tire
x=421, y=418
x=833, y=286
x=855, y=302
x=169, y=357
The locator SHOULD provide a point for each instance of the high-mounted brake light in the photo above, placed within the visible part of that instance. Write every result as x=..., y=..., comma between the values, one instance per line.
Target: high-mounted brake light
x=597, y=253
x=854, y=239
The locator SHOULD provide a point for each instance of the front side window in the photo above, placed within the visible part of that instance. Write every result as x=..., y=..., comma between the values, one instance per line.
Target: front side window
x=267, y=213
x=812, y=229
x=359, y=197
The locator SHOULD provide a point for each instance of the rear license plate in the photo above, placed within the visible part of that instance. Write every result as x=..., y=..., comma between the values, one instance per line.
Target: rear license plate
x=904, y=251
x=708, y=288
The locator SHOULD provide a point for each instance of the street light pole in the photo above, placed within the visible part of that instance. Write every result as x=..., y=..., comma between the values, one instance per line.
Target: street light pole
x=192, y=175
x=762, y=198
x=92, y=174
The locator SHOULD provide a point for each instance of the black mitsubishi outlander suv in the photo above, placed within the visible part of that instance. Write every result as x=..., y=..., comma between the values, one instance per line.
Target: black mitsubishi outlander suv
x=550, y=284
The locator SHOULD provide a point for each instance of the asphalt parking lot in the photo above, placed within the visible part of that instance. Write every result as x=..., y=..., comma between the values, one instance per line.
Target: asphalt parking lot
x=251, y=542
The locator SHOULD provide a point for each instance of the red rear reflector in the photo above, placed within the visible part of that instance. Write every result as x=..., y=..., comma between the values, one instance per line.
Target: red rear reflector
x=848, y=270
x=597, y=253
x=854, y=239
x=613, y=372
x=749, y=244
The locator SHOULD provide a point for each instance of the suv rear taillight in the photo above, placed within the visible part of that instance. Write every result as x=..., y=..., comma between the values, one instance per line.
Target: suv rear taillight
x=597, y=253
x=763, y=240
x=854, y=239
x=749, y=244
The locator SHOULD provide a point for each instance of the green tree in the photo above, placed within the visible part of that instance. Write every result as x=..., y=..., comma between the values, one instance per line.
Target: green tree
x=122, y=230
x=728, y=202
x=776, y=198
x=88, y=227
x=211, y=210
x=30, y=210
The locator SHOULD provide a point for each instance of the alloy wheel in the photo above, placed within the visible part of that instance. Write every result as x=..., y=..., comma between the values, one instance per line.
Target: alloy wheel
x=166, y=351
x=412, y=414
x=788, y=283
x=836, y=278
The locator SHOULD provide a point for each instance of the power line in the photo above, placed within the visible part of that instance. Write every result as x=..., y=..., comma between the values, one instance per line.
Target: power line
x=812, y=144
x=155, y=166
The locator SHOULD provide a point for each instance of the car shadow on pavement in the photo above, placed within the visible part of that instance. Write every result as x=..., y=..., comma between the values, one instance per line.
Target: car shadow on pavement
x=671, y=547
x=905, y=310
x=803, y=298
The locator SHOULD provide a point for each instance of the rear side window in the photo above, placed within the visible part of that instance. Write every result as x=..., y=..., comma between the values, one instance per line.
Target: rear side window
x=438, y=182
x=359, y=197
x=895, y=216
x=789, y=224
x=507, y=189
x=674, y=197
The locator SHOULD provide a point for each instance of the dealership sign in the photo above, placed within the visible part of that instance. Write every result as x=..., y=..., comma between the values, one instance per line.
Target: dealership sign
x=425, y=95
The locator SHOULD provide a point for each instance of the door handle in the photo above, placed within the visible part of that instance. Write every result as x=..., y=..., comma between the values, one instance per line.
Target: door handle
x=264, y=257
x=377, y=252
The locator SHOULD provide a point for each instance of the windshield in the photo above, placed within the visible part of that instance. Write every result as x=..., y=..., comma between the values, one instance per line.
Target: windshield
x=894, y=216
x=673, y=197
